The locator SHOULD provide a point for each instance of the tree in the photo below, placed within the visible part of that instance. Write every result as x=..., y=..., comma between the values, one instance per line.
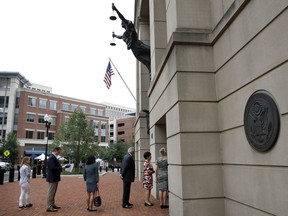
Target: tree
x=116, y=150
x=76, y=137
x=12, y=145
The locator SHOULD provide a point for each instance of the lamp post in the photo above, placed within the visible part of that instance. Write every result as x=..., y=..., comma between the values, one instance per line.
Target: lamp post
x=47, y=120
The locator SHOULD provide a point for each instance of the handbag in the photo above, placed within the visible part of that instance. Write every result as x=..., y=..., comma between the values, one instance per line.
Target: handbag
x=97, y=199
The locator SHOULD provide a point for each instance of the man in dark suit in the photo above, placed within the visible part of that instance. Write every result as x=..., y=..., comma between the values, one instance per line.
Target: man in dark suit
x=127, y=174
x=54, y=170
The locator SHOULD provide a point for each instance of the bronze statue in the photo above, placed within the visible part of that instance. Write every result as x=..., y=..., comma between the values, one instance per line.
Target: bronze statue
x=140, y=50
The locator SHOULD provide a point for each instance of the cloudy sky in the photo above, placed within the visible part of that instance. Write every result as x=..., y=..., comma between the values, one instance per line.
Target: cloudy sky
x=65, y=44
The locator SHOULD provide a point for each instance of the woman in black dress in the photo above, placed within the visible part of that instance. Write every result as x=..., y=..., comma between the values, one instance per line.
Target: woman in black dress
x=91, y=176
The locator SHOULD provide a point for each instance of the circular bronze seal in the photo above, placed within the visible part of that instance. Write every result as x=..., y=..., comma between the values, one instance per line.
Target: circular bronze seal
x=261, y=121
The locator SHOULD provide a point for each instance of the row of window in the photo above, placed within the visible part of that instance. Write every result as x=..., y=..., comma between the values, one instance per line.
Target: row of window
x=40, y=135
x=118, y=109
x=32, y=116
x=95, y=124
x=43, y=103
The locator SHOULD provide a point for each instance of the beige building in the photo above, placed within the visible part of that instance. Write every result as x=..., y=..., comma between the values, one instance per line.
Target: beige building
x=208, y=57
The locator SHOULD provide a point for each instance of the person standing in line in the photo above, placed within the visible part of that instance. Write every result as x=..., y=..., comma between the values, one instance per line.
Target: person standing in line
x=127, y=174
x=161, y=171
x=148, y=178
x=54, y=170
x=25, y=174
x=91, y=176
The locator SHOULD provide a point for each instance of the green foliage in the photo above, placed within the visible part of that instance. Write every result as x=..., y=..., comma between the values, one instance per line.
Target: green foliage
x=12, y=144
x=116, y=150
x=76, y=137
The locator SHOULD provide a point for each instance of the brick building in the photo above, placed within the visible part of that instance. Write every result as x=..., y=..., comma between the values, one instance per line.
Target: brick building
x=26, y=105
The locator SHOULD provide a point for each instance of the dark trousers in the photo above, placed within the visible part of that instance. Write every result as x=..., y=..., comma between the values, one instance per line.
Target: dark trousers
x=126, y=193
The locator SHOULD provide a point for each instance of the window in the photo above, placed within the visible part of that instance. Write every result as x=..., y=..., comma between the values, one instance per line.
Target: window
x=103, y=126
x=66, y=119
x=30, y=117
x=51, y=136
x=121, y=132
x=29, y=134
x=92, y=111
x=15, y=119
x=31, y=101
x=53, y=105
x=1, y=118
x=5, y=83
x=17, y=102
x=40, y=135
x=103, y=138
x=121, y=124
x=74, y=107
x=83, y=108
x=65, y=106
x=100, y=112
x=53, y=120
x=42, y=103
x=2, y=99
x=41, y=119
x=95, y=124
x=4, y=133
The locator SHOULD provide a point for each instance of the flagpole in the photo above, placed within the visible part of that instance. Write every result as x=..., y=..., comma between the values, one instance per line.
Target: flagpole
x=122, y=78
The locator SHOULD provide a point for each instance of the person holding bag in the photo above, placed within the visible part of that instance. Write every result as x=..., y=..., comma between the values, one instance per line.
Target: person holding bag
x=91, y=176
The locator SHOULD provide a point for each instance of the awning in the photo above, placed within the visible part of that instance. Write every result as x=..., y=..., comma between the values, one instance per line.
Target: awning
x=34, y=152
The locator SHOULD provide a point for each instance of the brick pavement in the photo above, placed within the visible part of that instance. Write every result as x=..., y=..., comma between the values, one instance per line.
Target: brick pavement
x=71, y=196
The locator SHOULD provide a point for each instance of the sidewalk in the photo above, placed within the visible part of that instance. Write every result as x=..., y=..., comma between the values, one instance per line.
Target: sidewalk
x=71, y=196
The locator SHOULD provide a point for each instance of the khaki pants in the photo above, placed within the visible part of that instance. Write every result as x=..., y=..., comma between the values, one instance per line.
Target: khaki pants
x=52, y=188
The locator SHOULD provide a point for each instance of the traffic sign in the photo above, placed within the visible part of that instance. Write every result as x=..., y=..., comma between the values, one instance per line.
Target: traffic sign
x=6, y=153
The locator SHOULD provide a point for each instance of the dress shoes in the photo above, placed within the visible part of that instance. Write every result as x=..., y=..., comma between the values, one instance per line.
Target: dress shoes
x=130, y=204
x=51, y=210
x=90, y=210
x=56, y=207
x=127, y=206
x=148, y=204
x=29, y=205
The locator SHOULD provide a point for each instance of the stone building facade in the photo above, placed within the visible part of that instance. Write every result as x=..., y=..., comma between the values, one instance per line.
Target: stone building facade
x=208, y=57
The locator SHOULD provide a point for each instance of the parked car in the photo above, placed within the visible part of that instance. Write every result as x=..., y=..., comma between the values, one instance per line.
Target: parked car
x=4, y=165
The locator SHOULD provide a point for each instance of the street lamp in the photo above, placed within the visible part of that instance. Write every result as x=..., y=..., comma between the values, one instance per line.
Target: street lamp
x=47, y=120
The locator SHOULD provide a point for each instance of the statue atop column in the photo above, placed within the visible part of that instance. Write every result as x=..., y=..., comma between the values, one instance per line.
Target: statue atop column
x=140, y=50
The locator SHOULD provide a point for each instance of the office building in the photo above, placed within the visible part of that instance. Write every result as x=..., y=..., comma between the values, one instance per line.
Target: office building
x=121, y=121
x=217, y=100
x=26, y=105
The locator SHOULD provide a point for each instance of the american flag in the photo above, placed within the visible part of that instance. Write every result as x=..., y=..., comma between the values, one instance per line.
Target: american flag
x=108, y=74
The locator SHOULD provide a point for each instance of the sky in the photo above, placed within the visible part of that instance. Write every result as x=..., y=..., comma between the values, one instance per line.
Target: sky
x=65, y=44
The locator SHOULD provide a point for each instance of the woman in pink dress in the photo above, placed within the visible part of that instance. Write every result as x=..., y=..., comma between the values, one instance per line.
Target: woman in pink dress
x=148, y=178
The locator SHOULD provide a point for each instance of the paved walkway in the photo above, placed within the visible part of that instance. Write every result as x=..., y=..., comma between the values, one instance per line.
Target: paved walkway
x=71, y=196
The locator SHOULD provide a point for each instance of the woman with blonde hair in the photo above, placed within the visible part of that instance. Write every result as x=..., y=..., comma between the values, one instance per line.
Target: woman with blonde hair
x=25, y=173
x=161, y=171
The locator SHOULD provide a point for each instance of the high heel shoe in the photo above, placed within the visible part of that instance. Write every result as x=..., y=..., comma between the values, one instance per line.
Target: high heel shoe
x=148, y=204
